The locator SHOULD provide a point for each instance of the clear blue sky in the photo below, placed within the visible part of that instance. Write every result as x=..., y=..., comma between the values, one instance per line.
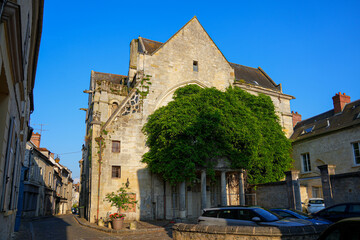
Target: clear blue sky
x=311, y=47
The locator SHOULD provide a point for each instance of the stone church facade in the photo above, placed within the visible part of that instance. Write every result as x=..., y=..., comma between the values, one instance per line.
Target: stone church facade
x=120, y=105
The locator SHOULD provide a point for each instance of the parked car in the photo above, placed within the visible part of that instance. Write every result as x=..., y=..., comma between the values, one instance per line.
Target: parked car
x=348, y=228
x=339, y=211
x=313, y=205
x=300, y=215
x=246, y=216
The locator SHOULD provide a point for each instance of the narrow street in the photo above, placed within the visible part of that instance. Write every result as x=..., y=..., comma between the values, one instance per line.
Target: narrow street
x=65, y=227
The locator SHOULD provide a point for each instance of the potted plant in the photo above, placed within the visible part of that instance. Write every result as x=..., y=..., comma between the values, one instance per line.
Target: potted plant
x=121, y=200
x=117, y=220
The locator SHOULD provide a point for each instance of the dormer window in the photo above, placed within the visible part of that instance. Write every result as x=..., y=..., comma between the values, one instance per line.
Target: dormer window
x=307, y=130
x=195, y=66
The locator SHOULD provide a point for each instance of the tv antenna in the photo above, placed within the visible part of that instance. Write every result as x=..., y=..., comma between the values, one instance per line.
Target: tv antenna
x=41, y=128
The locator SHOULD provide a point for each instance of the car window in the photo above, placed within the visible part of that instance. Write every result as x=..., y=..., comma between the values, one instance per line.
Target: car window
x=266, y=215
x=301, y=213
x=210, y=213
x=246, y=214
x=228, y=214
x=340, y=209
x=354, y=208
x=334, y=235
x=283, y=214
x=316, y=201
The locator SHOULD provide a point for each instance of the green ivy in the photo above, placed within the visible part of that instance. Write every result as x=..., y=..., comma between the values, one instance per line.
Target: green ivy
x=201, y=126
x=145, y=83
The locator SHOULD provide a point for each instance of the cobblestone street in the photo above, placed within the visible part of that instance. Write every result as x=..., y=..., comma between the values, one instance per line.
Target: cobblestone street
x=65, y=227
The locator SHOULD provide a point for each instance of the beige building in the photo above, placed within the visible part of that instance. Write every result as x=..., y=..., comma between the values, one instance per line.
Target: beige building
x=38, y=199
x=47, y=183
x=20, y=33
x=117, y=112
x=330, y=138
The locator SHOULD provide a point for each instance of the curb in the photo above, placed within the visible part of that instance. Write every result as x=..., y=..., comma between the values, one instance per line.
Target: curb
x=122, y=231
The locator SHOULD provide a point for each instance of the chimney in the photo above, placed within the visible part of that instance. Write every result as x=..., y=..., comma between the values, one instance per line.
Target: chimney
x=340, y=100
x=35, y=139
x=295, y=118
x=52, y=155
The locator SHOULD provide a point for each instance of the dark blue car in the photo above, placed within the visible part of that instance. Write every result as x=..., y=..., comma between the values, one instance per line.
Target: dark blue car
x=300, y=215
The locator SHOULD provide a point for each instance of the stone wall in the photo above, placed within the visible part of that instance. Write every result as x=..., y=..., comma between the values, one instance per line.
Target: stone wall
x=272, y=195
x=346, y=187
x=192, y=231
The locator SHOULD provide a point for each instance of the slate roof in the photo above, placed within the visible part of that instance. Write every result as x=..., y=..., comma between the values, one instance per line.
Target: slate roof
x=254, y=76
x=328, y=122
x=114, y=78
x=151, y=45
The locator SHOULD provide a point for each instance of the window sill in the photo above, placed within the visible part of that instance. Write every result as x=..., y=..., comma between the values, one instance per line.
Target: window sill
x=355, y=166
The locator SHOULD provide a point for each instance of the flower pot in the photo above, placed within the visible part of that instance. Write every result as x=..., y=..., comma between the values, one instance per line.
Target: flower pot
x=117, y=223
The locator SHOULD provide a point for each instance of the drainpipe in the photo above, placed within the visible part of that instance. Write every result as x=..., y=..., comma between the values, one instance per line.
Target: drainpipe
x=100, y=159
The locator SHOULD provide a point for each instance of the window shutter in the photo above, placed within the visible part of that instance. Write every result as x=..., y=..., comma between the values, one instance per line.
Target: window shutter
x=8, y=156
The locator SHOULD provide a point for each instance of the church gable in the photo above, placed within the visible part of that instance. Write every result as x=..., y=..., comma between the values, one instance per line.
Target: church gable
x=189, y=55
x=192, y=31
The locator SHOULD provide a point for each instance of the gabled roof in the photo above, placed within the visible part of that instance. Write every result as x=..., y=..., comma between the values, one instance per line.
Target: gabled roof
x=328, y=122
x=154, y=46
x=254, y=76
x=114, y=78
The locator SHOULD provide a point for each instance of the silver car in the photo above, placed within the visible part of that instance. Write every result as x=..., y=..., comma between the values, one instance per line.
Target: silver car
x=246, y=216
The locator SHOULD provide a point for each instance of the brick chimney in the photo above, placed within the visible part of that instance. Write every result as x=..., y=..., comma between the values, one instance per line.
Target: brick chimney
x=339, y=101
x=295, y=118
x=35, y=139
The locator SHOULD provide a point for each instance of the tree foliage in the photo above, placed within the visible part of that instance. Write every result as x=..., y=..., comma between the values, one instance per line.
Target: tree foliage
x=201, y=126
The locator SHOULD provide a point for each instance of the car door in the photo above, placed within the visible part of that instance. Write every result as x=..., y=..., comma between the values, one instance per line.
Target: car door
x=245, y=217
x=235, y=217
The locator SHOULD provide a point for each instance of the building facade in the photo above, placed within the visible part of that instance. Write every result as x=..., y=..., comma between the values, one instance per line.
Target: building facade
x=117, y=112
x=47, y=183
x=331, y=138
x=20, y=33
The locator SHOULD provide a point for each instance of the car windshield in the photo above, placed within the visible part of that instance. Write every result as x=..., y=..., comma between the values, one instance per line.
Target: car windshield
x=266, y=215
x=301, y=213
x=317, y=201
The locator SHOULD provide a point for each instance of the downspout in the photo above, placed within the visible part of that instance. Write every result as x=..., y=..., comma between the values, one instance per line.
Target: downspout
x=98, y=197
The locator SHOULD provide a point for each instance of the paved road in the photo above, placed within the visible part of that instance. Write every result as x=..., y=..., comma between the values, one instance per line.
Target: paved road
x=64, y=227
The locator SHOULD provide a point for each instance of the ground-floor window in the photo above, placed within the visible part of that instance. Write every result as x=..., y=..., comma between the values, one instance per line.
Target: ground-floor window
x=116, y=172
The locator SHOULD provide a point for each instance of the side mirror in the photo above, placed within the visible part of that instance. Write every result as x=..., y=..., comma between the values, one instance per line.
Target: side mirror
x=256, y=219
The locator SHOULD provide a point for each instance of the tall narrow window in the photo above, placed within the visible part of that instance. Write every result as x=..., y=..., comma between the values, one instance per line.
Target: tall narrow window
x=115, y=146
x=195, y=66
x=114, y=106
x=116, y=172
x=306, y=162
x=356, y=148
x=50, y=179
